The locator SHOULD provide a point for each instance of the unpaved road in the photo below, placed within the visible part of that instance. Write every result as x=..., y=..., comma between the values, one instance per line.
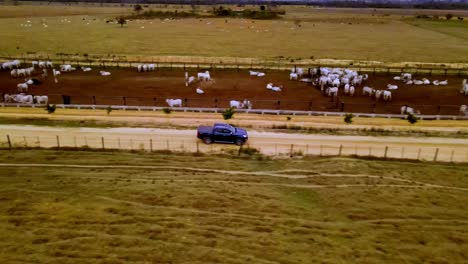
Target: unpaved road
x=268, y=142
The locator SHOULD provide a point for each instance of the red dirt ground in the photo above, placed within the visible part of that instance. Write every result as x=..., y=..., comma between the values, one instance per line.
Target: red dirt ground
x=152, y=88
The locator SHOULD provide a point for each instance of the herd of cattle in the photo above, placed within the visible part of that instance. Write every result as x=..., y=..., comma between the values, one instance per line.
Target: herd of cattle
x=330, y=81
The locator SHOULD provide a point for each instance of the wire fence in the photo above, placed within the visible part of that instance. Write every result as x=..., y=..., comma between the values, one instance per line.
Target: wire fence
x=151, y=144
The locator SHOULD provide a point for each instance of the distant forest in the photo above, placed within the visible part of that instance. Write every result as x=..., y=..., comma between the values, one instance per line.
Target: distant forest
x=422, y=4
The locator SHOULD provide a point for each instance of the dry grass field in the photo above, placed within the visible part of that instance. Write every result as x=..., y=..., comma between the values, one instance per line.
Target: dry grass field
x=247, y=211
x=392, y=36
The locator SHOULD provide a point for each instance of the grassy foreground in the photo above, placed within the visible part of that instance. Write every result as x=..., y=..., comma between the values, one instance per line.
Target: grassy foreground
x=237, y=210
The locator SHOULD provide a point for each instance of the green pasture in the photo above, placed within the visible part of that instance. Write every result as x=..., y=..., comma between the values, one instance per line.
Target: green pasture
x=303, y=33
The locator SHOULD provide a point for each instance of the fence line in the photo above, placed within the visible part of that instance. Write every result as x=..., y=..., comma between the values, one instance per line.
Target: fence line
x=150, y=144
x=247, y=111
x=246, y=63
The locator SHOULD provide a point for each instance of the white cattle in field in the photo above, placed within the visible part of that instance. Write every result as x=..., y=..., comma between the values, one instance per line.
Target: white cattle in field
x=464, y=89
x=397, y=78
x=378, y=94
x=277, y=88
x=151, y=67
x=392, y=87
x=174, y=102
x=418, y=82
x=140, y=68
x=7, y=98
x=41, y=99
x=293, y=76
x=189, y=80
x=66, y=67
x=145, y=67
x=332, y=91
x=387, y=96
x=463, y=110
x=35, y=63
x=200, y=91
x=298, y=71
x=426, y=81
x=55, y=72
x=24, y=99
x=247, y=104
x=49, y=64
x=86, y=69
x=336, y=82
x=42, y=64
x=368, y=91
x=406, y=77
x=351, y=90
x=105, y=73
x=253, y=73
x=22, y=87
x=408, y=110
x=443, y=82
x=14, y=73
x=323, y=80
x=409, y=82
x=346, y=89
x=260, y=74
x=205, y=76
x=235, y=104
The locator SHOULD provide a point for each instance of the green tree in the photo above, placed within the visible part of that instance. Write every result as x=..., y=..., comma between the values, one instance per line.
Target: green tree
x=121, y=21
x=137, y=8
x=228, y=113
x=348, y=119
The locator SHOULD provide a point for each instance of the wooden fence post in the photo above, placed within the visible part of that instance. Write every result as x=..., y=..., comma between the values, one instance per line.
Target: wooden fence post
x=370, y=151
x=167, y=144
x=25, y=142
x=402, y=152
x=341, y=149
x=419, y=154
x=118, y=142
x=38, y=142
x=451, y=155
x=151, y=145
x=321, y=150
x=198, y=146
x=436, y=154
x=74, y=141
x=9, y=141
x=291, y=151
x=386, y=150
x=240, y=150
x=58, y=141
x=276, y=149
x=307, y=149
x=102, y=142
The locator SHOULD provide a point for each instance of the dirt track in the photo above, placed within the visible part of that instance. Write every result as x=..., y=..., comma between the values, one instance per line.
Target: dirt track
x=154, y=87
x=267, y=142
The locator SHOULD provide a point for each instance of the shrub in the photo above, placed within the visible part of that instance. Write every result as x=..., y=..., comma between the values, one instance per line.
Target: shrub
x=109, y=110
x=249, y=151
x=412, y=119
x=167, y=110
x=50, y=108
x=228, y=113
x=288, y=118
x=448, y=16
x=348, y=119
x=137, y=8
x=121, y=21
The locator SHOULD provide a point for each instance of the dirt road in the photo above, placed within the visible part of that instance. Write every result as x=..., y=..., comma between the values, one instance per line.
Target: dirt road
x=268, y=142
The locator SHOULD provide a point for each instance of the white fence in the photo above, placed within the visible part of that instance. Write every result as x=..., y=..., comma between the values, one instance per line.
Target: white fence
x=251, y=111
x=150, y=144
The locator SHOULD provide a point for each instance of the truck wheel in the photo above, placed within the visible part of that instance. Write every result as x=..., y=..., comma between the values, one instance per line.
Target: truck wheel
x=207, y=140
x=239, y=142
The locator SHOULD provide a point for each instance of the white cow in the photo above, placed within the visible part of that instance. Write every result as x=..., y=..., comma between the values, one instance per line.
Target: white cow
x=392, y=87
x=41, y=99
x=22, y=98
x=426, y=81
x=464, y=89
x=378, y=94
x=22, y=87
x=253, y=73
x=332, y=91
x=189, y=80
x=56, y=72
x=336, y=82
x=397, y=78
x=406, y=76
x=174, y=102
x=200, y=91
x=49, y=64
x=87, y=69
x=151, y=67
x=443, y=82
x=293, y=76
x=408, y=110
x=368, y=91
x=274, y=88
x=66, y=67
x=418, y=82
x=8, y=98
x=351, y=91
x=387, y=96
x=409, y=82
x=247, y=104
x=463, y=110
x=235, y=104
x=104, y=73
x=205, y=76
x=260, y=74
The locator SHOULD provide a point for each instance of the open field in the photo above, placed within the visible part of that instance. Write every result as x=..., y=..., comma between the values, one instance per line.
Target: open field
x=153, y=88
x=322, y=34
x=181, y=209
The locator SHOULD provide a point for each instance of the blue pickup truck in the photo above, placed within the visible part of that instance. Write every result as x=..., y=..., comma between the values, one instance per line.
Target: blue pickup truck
x=223, y=133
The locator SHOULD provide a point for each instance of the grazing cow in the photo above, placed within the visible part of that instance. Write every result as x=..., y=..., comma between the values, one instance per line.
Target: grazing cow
x=49, y=64
x=408, y=110
x=392, y=87
x=38, y=99
x=174, y=102
x=87, y=69
x=418, y=82
x=200, y=91
x=42, y=64
x=205, y=76
x=406, y=77
x=253, y=73
x=336, y=82
x=426, y=81
x=104, y=73
x=351, y=91
x=29, y=82
x=306, y=80
x=22, y=98
x=8, y=98
x=151, y=67
x=274, y=88
x=260, y=74
x=66, y=68
x=387, y=95
x=35, y=63
x=346, y=89
x=368, y=90
x=235, y=104
x=145, y=67
x=397, y=78
x=443, y=82
x=463, y=110
x=55, y=72
x=22, y=87
x=14, y=73
x=332, y=91
x=247, y=104
x=409, y=82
